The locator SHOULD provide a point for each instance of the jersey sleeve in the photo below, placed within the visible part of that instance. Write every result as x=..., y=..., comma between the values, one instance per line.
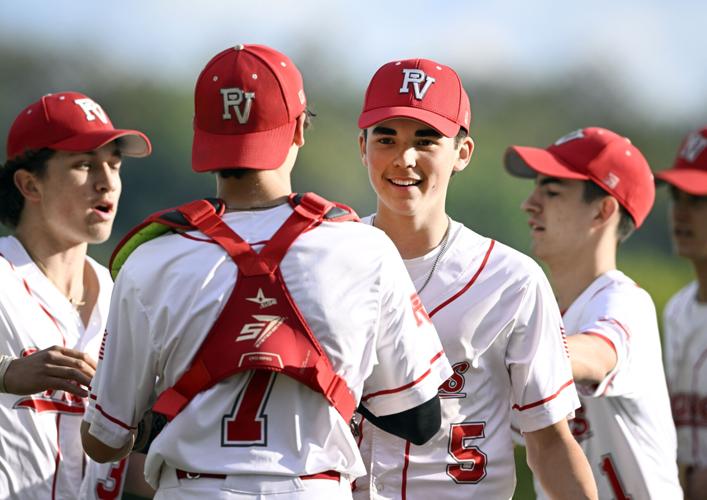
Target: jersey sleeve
x=124, y=380
x=543, y=390
x=614, y=316
x=410, y=362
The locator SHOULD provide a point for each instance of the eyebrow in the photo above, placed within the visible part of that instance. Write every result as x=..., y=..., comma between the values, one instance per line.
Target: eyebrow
x=423, y=132
x=550, y=180
x=115, y=152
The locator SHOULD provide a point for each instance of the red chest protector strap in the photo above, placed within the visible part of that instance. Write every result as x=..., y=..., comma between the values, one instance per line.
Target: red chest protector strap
x=260, y=326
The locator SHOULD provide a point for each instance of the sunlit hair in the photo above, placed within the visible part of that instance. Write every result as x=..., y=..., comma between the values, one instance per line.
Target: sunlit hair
x=11, y=200
x=592, y=191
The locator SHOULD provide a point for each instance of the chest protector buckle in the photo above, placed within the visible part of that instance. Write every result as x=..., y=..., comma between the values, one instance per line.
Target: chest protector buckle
x=260, y=327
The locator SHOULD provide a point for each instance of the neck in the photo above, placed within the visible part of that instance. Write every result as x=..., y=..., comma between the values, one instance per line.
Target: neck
x=257, y=190
x=63, y=264
x=571, y=275
x=413, y=236
x=700, y=267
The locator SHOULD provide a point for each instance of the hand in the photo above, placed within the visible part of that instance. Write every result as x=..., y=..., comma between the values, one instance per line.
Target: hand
x=55, y=368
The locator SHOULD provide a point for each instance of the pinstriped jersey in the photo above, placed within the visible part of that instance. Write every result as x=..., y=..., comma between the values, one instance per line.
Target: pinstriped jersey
x=685, y=335
x=501, y=329
x=350, y=285
x=40, y=445
x=624, y=426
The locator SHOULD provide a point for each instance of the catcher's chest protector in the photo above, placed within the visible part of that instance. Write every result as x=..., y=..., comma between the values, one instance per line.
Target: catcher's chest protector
x=260, y=326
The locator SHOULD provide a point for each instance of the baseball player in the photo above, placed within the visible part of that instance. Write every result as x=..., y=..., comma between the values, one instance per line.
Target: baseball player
x=304, y=270
x=592, y=189
x=685, y=316
x=59, y=191
x=492, y=306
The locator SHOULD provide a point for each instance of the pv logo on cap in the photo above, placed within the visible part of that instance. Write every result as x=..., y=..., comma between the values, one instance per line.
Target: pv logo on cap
x=92, y=110
x=420, y=81
x=233, y=98
x=694, y=145
x=577, y=134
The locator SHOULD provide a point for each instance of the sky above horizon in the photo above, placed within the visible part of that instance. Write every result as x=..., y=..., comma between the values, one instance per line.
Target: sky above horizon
x=654, y=51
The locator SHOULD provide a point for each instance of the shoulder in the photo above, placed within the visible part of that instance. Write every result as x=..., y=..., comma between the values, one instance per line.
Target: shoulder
x=678, y=302
x=504, y=263
x=615, y=295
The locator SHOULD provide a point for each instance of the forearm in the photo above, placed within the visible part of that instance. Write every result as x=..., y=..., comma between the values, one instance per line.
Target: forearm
x=559, y=463
x=101, y=452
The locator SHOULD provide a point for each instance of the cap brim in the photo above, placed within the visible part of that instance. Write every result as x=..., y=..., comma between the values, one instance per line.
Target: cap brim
x=444, y=126
x=265, y=150
x=132, y=142
x=528, y=162
x=691, y=180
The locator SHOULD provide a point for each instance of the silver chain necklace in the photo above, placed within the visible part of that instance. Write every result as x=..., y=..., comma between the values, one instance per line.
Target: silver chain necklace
x=442, y=248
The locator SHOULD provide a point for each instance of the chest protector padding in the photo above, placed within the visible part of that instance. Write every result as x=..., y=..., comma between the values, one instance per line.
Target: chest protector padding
x=260, y=327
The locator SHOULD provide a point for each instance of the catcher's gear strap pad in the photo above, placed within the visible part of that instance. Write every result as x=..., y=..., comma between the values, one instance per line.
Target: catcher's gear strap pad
x=260, y=327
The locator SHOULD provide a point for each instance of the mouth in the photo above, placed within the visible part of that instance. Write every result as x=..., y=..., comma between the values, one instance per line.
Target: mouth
x=535, y=227
x=404, y=182
x=104, y=209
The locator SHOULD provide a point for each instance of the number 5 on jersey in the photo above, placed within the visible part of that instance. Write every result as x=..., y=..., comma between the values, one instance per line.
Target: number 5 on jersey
x=471, y=461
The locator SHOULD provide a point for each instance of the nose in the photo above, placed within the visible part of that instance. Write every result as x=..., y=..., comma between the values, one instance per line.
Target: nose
x=406, y=157
x=107, y=178
x=531, y=204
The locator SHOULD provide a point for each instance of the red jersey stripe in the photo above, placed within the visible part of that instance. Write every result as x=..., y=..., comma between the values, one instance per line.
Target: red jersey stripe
x=542, y=401
x=406, y=386
x=468, y=285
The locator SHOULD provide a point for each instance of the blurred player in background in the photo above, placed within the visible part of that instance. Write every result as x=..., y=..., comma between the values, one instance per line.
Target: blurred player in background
x=685, y=316
x=269, y=277
x=592, y=189
x=59, y=191
x=492, y=306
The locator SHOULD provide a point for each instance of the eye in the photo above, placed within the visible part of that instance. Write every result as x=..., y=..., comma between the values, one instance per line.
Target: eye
x=385, y=140
x=426, y=142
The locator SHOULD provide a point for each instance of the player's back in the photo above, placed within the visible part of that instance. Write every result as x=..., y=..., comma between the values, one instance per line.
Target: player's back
x=340, y=275
x=494, y=311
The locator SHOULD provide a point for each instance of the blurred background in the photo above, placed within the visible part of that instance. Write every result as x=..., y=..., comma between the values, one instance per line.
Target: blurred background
x=534, y=71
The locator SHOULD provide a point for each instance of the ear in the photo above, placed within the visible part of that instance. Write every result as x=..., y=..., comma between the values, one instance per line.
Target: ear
x=362, y=148
x=298, y=139
x=466, y=148
x=607, y=209
x=28, y=185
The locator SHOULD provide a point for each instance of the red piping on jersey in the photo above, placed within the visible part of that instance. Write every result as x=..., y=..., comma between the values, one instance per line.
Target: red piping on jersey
x=542, y=401
x=617, y=323
x=57, y=460
x=601, y=336
x=110, y=417
x=29, y=291
x=406, y=386
x=468, y=285
x=406, y=463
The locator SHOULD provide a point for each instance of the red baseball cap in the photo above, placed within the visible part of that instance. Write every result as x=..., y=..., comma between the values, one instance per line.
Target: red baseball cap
x=419, y=89
x=70, y=121
x=247, y=100
x=595, y=154
x=689, y=171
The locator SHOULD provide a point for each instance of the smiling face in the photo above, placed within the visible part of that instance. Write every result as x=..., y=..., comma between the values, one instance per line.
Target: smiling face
x=410, y=164
x=560, y=220
x=77, y=197
x=688, y=215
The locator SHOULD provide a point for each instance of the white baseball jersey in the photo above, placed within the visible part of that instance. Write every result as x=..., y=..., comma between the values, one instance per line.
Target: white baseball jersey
x=501, y=329
x=685, y=340
x=624, y=426
x=351, y=286
x=40, y=444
